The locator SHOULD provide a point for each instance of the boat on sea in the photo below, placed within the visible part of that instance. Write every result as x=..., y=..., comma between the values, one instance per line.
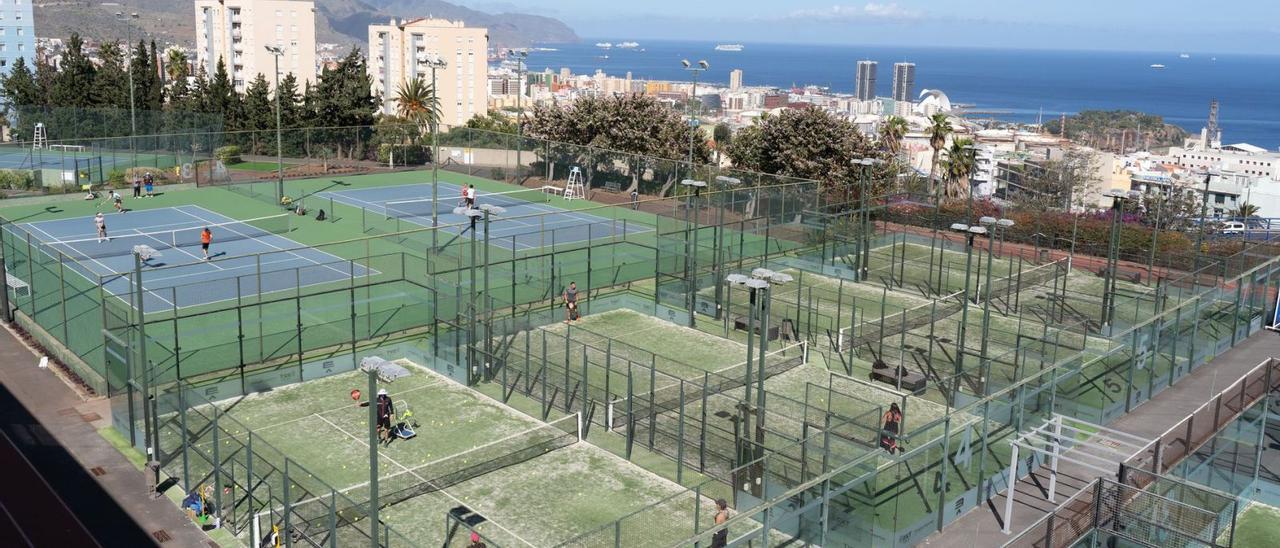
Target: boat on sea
x=1185, y=55
x=1157, y=66
x=729, y=47
x=605, y=45
x=629, y=45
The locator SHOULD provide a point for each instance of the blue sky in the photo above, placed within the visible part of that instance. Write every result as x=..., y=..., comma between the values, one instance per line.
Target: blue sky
x=1172, y=25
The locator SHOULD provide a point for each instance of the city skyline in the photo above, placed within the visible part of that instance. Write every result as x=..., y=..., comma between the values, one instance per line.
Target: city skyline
x=1176, y=25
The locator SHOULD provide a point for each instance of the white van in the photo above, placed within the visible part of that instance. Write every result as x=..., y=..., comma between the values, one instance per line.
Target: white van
x=1233, y=227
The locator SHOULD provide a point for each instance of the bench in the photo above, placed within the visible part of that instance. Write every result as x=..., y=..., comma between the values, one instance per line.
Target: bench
x=612, y=187
x=740, y=324
x=553, y=190
x=911, y=381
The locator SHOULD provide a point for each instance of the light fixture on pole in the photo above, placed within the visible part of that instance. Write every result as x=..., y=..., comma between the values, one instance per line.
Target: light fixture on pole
x=133, y=120
x=993, y=226
x=1118, y=199
x=472, y=215
x=277, y=52
x=724, y=182
x=690, y=245
x=864, y=229
x=141, y=254
x=520, y=57
x=489, y=211
x=434, y=63
x=695, y=70
x=969, y=233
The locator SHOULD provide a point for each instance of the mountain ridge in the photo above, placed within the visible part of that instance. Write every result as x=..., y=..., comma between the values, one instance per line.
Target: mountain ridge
x=343, y=22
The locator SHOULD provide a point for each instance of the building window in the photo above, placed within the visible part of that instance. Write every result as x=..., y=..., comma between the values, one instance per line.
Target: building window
x=21, y=31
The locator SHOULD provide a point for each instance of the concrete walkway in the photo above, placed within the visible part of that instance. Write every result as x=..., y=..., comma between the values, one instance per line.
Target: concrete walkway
x=981, y=526
x=55, y=430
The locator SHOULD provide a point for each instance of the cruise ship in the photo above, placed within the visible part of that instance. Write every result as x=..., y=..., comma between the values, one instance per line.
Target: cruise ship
x=729, y=47
x=629, y=45
x=604, y=45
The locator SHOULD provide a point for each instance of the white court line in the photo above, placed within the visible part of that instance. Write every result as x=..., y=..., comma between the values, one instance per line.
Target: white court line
x=266, y=243
x=225, y=268
x=410, y=219
x=414, y=474
x=149, y=228
x=109, y=272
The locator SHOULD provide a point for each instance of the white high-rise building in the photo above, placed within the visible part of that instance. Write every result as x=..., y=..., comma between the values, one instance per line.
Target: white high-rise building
x=238, y=32
x=401, y=50
x=865, y=85
x=735, y=79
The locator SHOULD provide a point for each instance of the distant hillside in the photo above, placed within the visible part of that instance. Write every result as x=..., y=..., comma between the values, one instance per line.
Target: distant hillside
x=337, y=21
x=1119, y=130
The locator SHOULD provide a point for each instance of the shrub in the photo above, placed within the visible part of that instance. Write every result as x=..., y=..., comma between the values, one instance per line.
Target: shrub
x=229, y=154
x=117, y=179
x=15, y=179
x=158, y=174
x=404, y=154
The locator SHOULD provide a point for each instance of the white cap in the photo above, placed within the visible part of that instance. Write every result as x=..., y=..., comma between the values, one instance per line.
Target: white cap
x=382, y=391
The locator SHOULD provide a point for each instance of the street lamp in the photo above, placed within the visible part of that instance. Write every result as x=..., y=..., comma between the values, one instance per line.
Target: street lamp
x=969, y=232
x=133, y=120
x=695, y=70
x=691, y=247
x=489, y=211
x=434, y=63
x=993, y=226
x=1118, y=199
x=520, y=57
x=276, y=53
x=473, y=215
x=865, y=215
x=1204, y=213
x=725, y=182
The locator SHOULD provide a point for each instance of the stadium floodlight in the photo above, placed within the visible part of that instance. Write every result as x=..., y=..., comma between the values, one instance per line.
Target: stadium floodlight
x=726, y=180
x=693, y=97
x=736, y=279
x=277, y=52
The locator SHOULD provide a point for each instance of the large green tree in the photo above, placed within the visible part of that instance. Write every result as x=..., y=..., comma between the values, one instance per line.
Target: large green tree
x=342, y=98
x=939, y=129
x=960, y=162
x=67, y=88
x=807, y=143
x=654, y=138
x=259, y=115
x=417, y=103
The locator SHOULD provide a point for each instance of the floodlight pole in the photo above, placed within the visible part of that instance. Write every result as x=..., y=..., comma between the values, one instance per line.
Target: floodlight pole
x=276, y=53
x=520, y=58
x=751, y=334
x=1204, y=213
x=373, y=457
x=435, y=63
x=691, y=247
x=964, y=310
x=993, y=226
x=693, y=96
x=766, y=296
x=149, y=434
x=133, y=120
x=471, y=313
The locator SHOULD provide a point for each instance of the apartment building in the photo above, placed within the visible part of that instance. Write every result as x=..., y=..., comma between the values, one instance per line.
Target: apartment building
x=239, y=32
x=402, y=50
x=17, y=34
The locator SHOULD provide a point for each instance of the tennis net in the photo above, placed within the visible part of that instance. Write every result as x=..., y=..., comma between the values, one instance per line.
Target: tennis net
x=446, y=472
x=121, y=241
x=422, y=207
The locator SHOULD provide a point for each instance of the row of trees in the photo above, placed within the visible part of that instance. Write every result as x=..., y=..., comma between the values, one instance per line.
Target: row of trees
x=166, y=95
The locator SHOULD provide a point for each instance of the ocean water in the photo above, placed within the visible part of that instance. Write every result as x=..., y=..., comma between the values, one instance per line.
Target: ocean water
x=1007, y=84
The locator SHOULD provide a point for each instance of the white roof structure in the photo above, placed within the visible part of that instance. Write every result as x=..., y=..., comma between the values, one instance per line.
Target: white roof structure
x=1245, y=147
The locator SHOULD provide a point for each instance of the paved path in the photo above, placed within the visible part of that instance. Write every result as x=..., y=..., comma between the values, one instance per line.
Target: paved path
x=980, y=527
x=49, y=429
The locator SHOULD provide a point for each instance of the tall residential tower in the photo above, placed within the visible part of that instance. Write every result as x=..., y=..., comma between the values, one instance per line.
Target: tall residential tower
x=865, y=85
x=17, y=35
x=238, y=32
x=400, y=50
x=735, y=79
x=904, y=83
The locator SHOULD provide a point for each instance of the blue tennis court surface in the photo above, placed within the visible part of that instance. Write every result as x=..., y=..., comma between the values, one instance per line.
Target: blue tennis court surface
x=11, y=158
x=554, y=226
x=232, y=271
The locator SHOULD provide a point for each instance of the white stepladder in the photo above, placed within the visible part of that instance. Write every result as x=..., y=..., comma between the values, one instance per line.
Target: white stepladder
x=39, y=139
x=575, y=190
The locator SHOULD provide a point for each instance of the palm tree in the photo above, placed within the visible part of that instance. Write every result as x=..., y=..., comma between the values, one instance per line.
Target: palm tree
x=960, y=163
x=416, y=101
x=939, y=129
x=892, y=132
x=1245, y=211
x=175, y=64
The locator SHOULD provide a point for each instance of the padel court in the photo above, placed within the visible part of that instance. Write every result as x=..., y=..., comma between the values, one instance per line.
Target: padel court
x=412, y=203
x=235, y=266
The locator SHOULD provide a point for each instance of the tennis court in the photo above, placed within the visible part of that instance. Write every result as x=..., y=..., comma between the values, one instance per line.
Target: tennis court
x=175, y=232
x=553, y=225
x=469, y=452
